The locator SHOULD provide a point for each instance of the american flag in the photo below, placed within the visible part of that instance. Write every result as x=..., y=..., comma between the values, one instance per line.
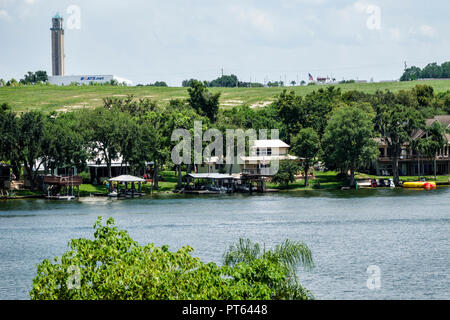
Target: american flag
x=310, y=77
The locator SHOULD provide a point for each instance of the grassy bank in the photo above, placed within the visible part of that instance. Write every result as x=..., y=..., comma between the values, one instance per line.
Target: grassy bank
x=329, y=180
x=323, y=180
x=55, y=98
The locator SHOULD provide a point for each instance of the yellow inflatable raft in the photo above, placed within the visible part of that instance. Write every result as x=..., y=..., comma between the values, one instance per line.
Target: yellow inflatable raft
x=419, y=184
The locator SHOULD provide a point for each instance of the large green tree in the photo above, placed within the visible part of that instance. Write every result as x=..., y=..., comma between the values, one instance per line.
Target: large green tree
x=432, y=143
x=30, y=143
x=106, y=131
x=286, y=173
x=64, y=143
x=397, y=124
x=202, y=101
x=9, y=139
x=317, y=108
x=348, y=142
x=306, y=145
x=288, y=106
x=35, y=77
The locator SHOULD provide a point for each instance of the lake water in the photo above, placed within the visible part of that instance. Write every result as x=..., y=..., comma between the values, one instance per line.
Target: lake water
x=405, y=233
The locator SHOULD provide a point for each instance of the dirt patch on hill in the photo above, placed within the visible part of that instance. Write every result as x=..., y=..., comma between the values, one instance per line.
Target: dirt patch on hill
x=261, y=104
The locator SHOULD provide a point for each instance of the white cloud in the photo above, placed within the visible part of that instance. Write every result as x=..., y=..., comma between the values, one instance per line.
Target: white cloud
x=423, y=31
x=427, y=31
x=253, y=16
x=395, y=34
x=3, y=3
x=308, y=2
x=360, y=6
x=4, y=15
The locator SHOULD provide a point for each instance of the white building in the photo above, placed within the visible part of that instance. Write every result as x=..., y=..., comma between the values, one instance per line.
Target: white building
x=262, y=155
x=86, y=79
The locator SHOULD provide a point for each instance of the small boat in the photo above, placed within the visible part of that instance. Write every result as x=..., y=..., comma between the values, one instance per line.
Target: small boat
x=113, y=194
x=419, y=184
x=58, y=197
x=391, y=183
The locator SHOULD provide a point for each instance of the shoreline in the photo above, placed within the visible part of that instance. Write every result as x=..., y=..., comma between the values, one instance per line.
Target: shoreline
x=322, y=181
x=273, y=191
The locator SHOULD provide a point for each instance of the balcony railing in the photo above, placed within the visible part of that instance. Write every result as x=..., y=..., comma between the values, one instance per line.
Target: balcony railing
x=250, y=171
x=258, y=172
x=414, y=157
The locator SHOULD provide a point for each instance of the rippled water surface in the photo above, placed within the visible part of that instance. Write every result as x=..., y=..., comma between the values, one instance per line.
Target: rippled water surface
x=406, y=233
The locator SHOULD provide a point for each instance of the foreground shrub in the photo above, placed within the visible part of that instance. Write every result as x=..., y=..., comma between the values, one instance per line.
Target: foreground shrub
x=113, y=266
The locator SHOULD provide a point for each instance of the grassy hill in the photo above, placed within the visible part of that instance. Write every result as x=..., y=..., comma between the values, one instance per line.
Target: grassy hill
x=51, y=98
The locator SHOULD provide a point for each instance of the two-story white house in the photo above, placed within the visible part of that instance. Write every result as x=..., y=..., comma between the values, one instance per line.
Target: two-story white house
x=263, y=157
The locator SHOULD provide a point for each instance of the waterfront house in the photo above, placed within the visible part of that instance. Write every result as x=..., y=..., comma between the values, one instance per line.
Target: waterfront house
x=263, y=153
x=413, y=163
x=215, y=164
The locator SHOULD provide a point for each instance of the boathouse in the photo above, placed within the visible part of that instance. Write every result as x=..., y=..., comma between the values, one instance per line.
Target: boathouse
x=125, y=186
x=62, y=187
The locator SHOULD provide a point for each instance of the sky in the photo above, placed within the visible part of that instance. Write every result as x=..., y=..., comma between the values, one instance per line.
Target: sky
x=148, y=41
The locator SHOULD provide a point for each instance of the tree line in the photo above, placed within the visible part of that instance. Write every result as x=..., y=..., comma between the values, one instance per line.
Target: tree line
x=225, y=81
x=38, y=77
x=430, y=71
x=328, y=125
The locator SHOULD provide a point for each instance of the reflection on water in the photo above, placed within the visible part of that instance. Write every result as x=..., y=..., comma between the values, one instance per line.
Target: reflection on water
x=404, y=232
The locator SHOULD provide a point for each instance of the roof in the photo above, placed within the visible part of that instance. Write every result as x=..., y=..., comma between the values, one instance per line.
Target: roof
x=57, y=16
x=275, y=143
x=127, y=178
x=444, y=120
x=218, y=176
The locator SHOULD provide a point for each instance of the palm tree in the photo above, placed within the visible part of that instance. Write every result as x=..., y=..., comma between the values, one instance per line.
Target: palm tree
x=288, y=256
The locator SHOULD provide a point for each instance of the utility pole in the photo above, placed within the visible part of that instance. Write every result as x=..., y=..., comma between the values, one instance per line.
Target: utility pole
x=222, y=72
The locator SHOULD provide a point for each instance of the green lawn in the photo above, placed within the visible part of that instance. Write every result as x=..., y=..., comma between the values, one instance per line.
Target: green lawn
x=323, y=180
x=25, y=193
x=51, y=98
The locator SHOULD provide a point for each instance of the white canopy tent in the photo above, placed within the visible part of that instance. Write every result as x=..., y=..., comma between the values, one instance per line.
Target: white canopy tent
x=125, y=179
